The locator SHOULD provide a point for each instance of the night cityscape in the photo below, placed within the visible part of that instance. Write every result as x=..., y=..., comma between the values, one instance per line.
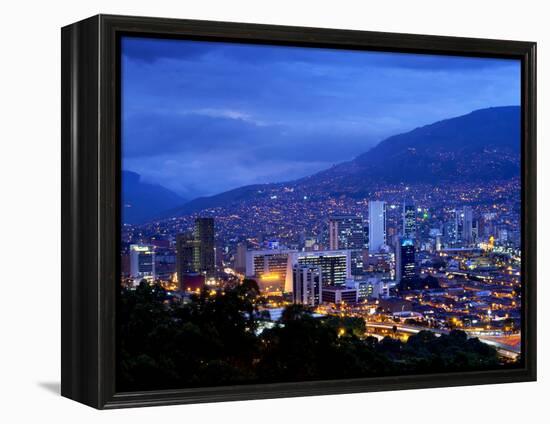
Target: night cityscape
x=402, y=257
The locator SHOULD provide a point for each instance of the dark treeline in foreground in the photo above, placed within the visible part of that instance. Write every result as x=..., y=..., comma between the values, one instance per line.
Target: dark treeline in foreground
x=212, y=340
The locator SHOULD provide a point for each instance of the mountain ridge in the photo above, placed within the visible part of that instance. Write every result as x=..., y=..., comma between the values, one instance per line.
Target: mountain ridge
x=142, y=201
x=479, y=146
x=399, y=157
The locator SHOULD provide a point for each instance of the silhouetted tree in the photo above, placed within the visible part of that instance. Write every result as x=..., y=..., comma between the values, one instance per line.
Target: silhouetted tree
x=214, y=340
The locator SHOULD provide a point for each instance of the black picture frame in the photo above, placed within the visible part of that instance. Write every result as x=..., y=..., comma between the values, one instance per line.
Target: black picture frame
x=91, y=207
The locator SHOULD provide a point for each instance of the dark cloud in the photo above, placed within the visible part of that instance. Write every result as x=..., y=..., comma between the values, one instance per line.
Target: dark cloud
x=152, y=134
x=149, y=134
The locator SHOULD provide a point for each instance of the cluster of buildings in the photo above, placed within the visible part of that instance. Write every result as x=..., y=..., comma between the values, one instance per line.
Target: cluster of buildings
x=359, y=263
x=349, y=270
x=352, y=269
x=190, y=264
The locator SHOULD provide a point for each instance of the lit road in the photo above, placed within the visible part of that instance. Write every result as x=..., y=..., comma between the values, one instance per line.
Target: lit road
x=508, y=346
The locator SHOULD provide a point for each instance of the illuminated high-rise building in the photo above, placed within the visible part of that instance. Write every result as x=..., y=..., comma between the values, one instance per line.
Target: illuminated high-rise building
x=205, y=253
x=405, y=261
x=142, y=262
x=463, y=225
x=185, y=255
x=409, y=220
x=454, y=228
x=271, y=268
x=307, y=284
x=380, y=263
x=467, y=225
x=475, y=230
x=240, y=258
x=377, y=225
x=195, y=252
x=335, y=264
x=346, y=232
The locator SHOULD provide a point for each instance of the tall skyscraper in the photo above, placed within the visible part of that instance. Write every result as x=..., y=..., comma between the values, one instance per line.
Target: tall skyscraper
x=196, y=251
x=463, y=231
x=205, y=261
x=467, y=225
x=377, y=225
x=405, y=261
x=346, y=232
x=142, y=262
x=409, y=220
x=475, y=230
x=307, y=284
x=240, y=258
x=185, y=255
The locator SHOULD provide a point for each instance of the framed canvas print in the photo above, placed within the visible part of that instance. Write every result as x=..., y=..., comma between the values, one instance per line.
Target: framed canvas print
x=255, y=211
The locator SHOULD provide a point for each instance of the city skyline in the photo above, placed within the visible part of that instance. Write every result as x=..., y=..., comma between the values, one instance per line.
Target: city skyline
x=306, y=246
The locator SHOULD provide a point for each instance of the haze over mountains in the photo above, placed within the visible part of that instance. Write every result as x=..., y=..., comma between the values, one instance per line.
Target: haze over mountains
x=142, y=201
x=483, y=145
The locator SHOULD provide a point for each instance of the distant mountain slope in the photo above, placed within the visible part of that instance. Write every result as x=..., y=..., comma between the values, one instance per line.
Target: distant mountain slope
x=142, y=201
x=483, y=145
x=246, y=193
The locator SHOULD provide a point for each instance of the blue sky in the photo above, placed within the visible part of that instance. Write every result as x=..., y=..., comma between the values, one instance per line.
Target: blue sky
x=203, y=117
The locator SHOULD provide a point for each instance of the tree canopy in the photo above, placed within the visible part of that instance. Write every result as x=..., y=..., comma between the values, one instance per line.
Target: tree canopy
x=214, y=339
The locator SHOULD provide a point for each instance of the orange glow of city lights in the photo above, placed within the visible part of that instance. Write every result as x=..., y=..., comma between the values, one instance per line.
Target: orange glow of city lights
x=270, y=277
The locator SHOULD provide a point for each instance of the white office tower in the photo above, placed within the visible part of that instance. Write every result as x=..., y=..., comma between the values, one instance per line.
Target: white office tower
x=377, y=225
x=467, y=225
x=307, y=283
x=142, y=262
x=271, y=268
